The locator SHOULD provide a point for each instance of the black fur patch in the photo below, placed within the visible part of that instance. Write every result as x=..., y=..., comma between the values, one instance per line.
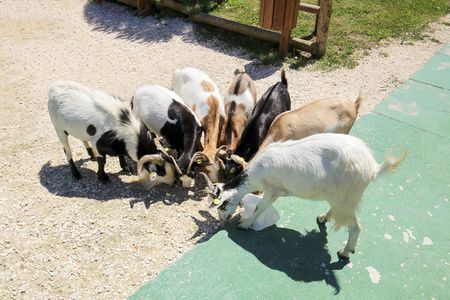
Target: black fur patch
x=124, y=116
x=109, y=144
x=145, y=143
x=238, y=84
x=66, y=132
x=183, y=131
x=91, y=130
x=236, y=181
x=229, y=129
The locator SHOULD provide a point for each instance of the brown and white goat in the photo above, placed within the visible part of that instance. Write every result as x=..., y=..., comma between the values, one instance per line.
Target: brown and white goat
x=201, y=94
x=239, y=103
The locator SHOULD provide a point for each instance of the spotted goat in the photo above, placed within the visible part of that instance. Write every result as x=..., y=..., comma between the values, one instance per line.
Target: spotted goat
x=106, y=126
x=165, y=114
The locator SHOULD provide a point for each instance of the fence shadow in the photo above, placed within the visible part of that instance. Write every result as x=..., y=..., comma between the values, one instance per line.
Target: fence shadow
x=119, y=20
x=303, y=257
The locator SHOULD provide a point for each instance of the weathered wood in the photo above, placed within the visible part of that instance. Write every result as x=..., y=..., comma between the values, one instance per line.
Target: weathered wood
x=323, y=26
x=309, y=8
x=278, y=15
x=284, y=42
x=291, y=14
x=266, y=15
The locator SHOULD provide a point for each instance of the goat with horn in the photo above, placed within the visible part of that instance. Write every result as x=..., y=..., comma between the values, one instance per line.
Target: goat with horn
x=165, y=113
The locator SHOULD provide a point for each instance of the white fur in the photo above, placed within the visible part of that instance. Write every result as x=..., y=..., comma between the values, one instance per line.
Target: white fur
x=187, y=84
x=245, y=98
x=73, y=107
x=151, y=104
x=336, y=168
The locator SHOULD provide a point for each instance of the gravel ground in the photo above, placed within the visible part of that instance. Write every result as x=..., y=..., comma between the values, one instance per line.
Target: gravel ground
x=68, y=239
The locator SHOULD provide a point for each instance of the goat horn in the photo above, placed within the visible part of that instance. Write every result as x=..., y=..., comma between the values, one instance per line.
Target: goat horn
x=208, y=191
x=208, y=181
x=149, y=158
x=196, y=156
x=172, y=160
x=157, y=141
x=220, y=151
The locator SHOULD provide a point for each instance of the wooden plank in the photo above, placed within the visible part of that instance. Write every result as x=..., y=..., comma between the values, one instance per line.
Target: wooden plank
x=291, y=14
x=267, y=17
x=278, y=15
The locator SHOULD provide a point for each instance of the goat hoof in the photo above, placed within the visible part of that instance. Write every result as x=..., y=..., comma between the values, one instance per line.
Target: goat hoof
x=321, y=223
x=104, y=178
x=76, y=174
x=244, y=225
x=342, y=257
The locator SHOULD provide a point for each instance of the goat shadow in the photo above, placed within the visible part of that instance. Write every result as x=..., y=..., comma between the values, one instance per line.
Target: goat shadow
x=303, y=257
x=58, y=180
x=114, y=18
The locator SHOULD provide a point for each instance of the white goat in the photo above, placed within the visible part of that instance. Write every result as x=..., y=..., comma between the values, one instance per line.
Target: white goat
x=201, y=94
x=336, y=168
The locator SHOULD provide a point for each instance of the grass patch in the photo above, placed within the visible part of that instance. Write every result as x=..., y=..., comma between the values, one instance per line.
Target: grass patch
x=356, y=26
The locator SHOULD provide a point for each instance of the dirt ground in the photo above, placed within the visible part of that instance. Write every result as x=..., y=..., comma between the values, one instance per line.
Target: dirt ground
x=68, y=239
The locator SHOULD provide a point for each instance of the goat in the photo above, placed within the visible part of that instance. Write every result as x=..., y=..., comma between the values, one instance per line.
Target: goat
x=164, y=113
x=331, y=114
x=104, y=123
x=333, y=167
x=239, y=103
x=201, y=94
x=275, y=101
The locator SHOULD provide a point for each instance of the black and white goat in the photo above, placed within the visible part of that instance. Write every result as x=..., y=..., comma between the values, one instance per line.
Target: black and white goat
x=333, y=167
x=275, y=101
x=165, y=113
x=239, y=103
x=201, y=94
x=104, y=123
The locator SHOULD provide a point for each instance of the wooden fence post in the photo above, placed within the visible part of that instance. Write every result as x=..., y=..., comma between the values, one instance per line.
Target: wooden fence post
x=323, y=26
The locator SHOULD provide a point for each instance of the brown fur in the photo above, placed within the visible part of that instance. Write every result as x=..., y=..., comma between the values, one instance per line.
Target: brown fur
x=335, y=114
x=240, y=118
x=211, y=125
x=208, y=86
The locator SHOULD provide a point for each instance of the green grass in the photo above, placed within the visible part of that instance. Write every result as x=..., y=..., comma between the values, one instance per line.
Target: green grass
x=356, y=26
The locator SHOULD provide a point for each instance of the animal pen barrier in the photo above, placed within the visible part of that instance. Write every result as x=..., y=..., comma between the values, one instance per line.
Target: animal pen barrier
x=278, y=15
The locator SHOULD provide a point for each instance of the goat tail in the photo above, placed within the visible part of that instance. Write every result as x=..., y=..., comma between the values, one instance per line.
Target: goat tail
x=391, y=163
x=241, y=68
x=361, y=97
x=283, y=78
